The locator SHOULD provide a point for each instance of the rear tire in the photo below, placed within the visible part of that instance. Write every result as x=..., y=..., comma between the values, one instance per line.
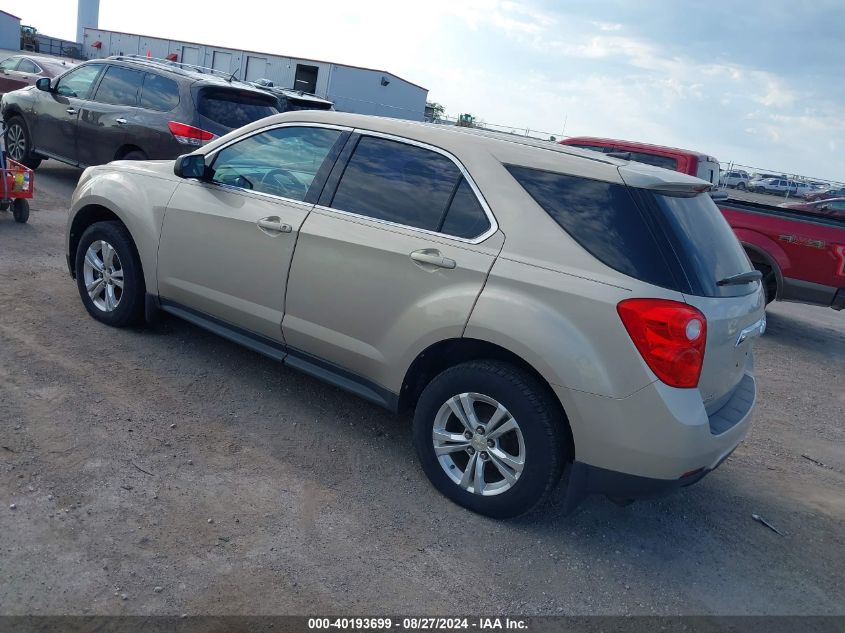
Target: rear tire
x=19, y=143
x=502, y=475
x=20, y=210
x=741, y=186
x=109, y=275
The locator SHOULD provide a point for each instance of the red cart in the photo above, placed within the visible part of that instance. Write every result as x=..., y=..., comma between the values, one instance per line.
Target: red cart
x=16, y=190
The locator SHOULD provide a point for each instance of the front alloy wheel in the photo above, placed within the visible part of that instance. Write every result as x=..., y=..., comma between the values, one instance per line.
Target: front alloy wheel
x=478, y=444
x=103, y=274
x=16, y=142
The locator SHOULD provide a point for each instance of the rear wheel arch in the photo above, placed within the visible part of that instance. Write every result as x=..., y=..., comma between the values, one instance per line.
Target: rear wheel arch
x=448, y=353
x=130, y=152
x=759, y=257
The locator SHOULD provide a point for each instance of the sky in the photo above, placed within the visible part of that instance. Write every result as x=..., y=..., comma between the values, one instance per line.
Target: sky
x=757, y=82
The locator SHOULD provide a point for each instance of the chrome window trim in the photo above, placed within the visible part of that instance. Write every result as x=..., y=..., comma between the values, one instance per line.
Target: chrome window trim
x=213, y=156
x=494, y=225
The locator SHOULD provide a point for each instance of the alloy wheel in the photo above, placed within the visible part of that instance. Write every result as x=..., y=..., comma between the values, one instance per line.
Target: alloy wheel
x=479, y=444
x=103, y=275
x=16, y=142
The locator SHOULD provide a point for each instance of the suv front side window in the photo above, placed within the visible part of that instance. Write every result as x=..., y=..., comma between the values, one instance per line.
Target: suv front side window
x=281, y=162
x=409, y=185
x=120, y=86
x=77, y=83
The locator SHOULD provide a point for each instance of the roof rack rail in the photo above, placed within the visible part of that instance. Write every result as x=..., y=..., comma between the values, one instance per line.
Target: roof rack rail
x=180, y=65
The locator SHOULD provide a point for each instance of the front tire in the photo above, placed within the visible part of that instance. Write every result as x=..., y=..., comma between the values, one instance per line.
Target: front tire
x=109, y=275
x=488, y=438
x=741, y=186
x=19, y=143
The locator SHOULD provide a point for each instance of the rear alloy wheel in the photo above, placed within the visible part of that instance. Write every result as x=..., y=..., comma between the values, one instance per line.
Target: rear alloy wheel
x=109, y=276
x=18, y=143
x=488, y=438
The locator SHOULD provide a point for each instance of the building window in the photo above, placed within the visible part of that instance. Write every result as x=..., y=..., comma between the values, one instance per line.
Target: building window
x=306, y=78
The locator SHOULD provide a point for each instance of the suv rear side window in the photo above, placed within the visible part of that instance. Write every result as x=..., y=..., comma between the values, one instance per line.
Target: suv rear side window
x=465, y=217
x=120, y=86
x=397, y=182
x=234, y=108
x=159, y=93
x=603, y=218
x=681, y=243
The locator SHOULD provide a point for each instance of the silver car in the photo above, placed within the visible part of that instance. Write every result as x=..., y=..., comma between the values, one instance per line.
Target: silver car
x=542, y=309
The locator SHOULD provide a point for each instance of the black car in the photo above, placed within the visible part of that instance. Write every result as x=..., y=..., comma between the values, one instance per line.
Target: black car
x=126, y=108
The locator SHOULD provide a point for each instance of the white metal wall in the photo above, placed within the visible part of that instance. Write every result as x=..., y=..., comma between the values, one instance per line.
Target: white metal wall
x=352, y=89
x=10, y=32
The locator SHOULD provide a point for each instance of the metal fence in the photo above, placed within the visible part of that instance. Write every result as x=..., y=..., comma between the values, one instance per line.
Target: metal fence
x=59, y=47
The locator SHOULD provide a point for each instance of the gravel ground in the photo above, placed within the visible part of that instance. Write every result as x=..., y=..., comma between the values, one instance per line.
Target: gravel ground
x=168, y=471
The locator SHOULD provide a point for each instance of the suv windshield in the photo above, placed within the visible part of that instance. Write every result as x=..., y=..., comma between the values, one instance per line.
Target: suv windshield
x=680, y=243
x=234, y=108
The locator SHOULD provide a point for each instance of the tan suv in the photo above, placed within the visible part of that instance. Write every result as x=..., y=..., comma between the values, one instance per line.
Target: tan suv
x=543, y=309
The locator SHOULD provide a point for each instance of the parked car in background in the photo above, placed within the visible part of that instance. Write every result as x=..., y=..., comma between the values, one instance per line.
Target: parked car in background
x=799, y=188
x=682, y=160
x=771, y=185
x=829, y=206
x=513, y=293
x=292, y=100
x=19, y=71
x=735, y=179
x=129, y=108
x=824, y=194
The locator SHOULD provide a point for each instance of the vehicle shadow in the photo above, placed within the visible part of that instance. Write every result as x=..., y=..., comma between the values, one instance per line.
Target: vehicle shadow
x=803, y=333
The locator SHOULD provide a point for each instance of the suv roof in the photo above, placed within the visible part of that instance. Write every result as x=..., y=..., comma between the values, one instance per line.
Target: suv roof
x=188, y=71
x=507, y=149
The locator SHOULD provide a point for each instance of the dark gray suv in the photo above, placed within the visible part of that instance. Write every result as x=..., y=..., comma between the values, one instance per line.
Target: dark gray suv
x=126, y=108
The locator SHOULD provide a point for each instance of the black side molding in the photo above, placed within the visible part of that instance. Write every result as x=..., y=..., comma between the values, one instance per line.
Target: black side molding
x=294, y=358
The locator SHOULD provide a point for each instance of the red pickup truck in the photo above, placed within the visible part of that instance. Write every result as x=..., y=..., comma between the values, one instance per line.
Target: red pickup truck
x=801, y=254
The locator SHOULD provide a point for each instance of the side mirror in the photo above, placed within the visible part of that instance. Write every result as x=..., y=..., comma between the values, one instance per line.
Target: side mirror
x=43, y=84
x=190, y=166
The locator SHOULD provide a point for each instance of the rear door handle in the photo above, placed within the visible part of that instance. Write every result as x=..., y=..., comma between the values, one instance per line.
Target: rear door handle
x=71, y=110
x=274, y=224
x=433, y=258
x=120, y=121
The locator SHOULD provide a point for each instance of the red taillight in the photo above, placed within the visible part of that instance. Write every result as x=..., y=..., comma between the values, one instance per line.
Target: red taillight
x=669, y=335
x=188, y=134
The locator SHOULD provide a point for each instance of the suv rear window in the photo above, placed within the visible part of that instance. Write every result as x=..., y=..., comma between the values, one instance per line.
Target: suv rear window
x=234, y=108
x=683, y=244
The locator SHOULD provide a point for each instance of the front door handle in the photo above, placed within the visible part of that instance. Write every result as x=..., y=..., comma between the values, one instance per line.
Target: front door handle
x=71, y=110
x=432, y=257
x=120, y=121
x=274, y=224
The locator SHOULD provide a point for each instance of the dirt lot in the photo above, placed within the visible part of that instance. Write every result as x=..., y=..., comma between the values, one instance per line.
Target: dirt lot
x=173, y=459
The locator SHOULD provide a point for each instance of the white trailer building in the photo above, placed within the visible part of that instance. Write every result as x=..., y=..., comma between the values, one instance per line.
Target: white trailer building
x=10, y=31
x=351, y=88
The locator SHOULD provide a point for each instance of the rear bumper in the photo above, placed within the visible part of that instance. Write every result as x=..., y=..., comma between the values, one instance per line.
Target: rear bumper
x=652, y=442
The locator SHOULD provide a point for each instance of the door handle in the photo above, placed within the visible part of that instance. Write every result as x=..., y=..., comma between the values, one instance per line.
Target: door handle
x=120, y=121
x=71, y=110
x=432, y=258
x=275, y=225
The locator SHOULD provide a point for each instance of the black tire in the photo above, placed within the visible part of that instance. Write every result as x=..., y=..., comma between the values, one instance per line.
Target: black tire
x=135, y=154
x=130, y=307
x=769, y=281
x=529, y=402
x=20, y=210
x=16, y=130
x=741, y=186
